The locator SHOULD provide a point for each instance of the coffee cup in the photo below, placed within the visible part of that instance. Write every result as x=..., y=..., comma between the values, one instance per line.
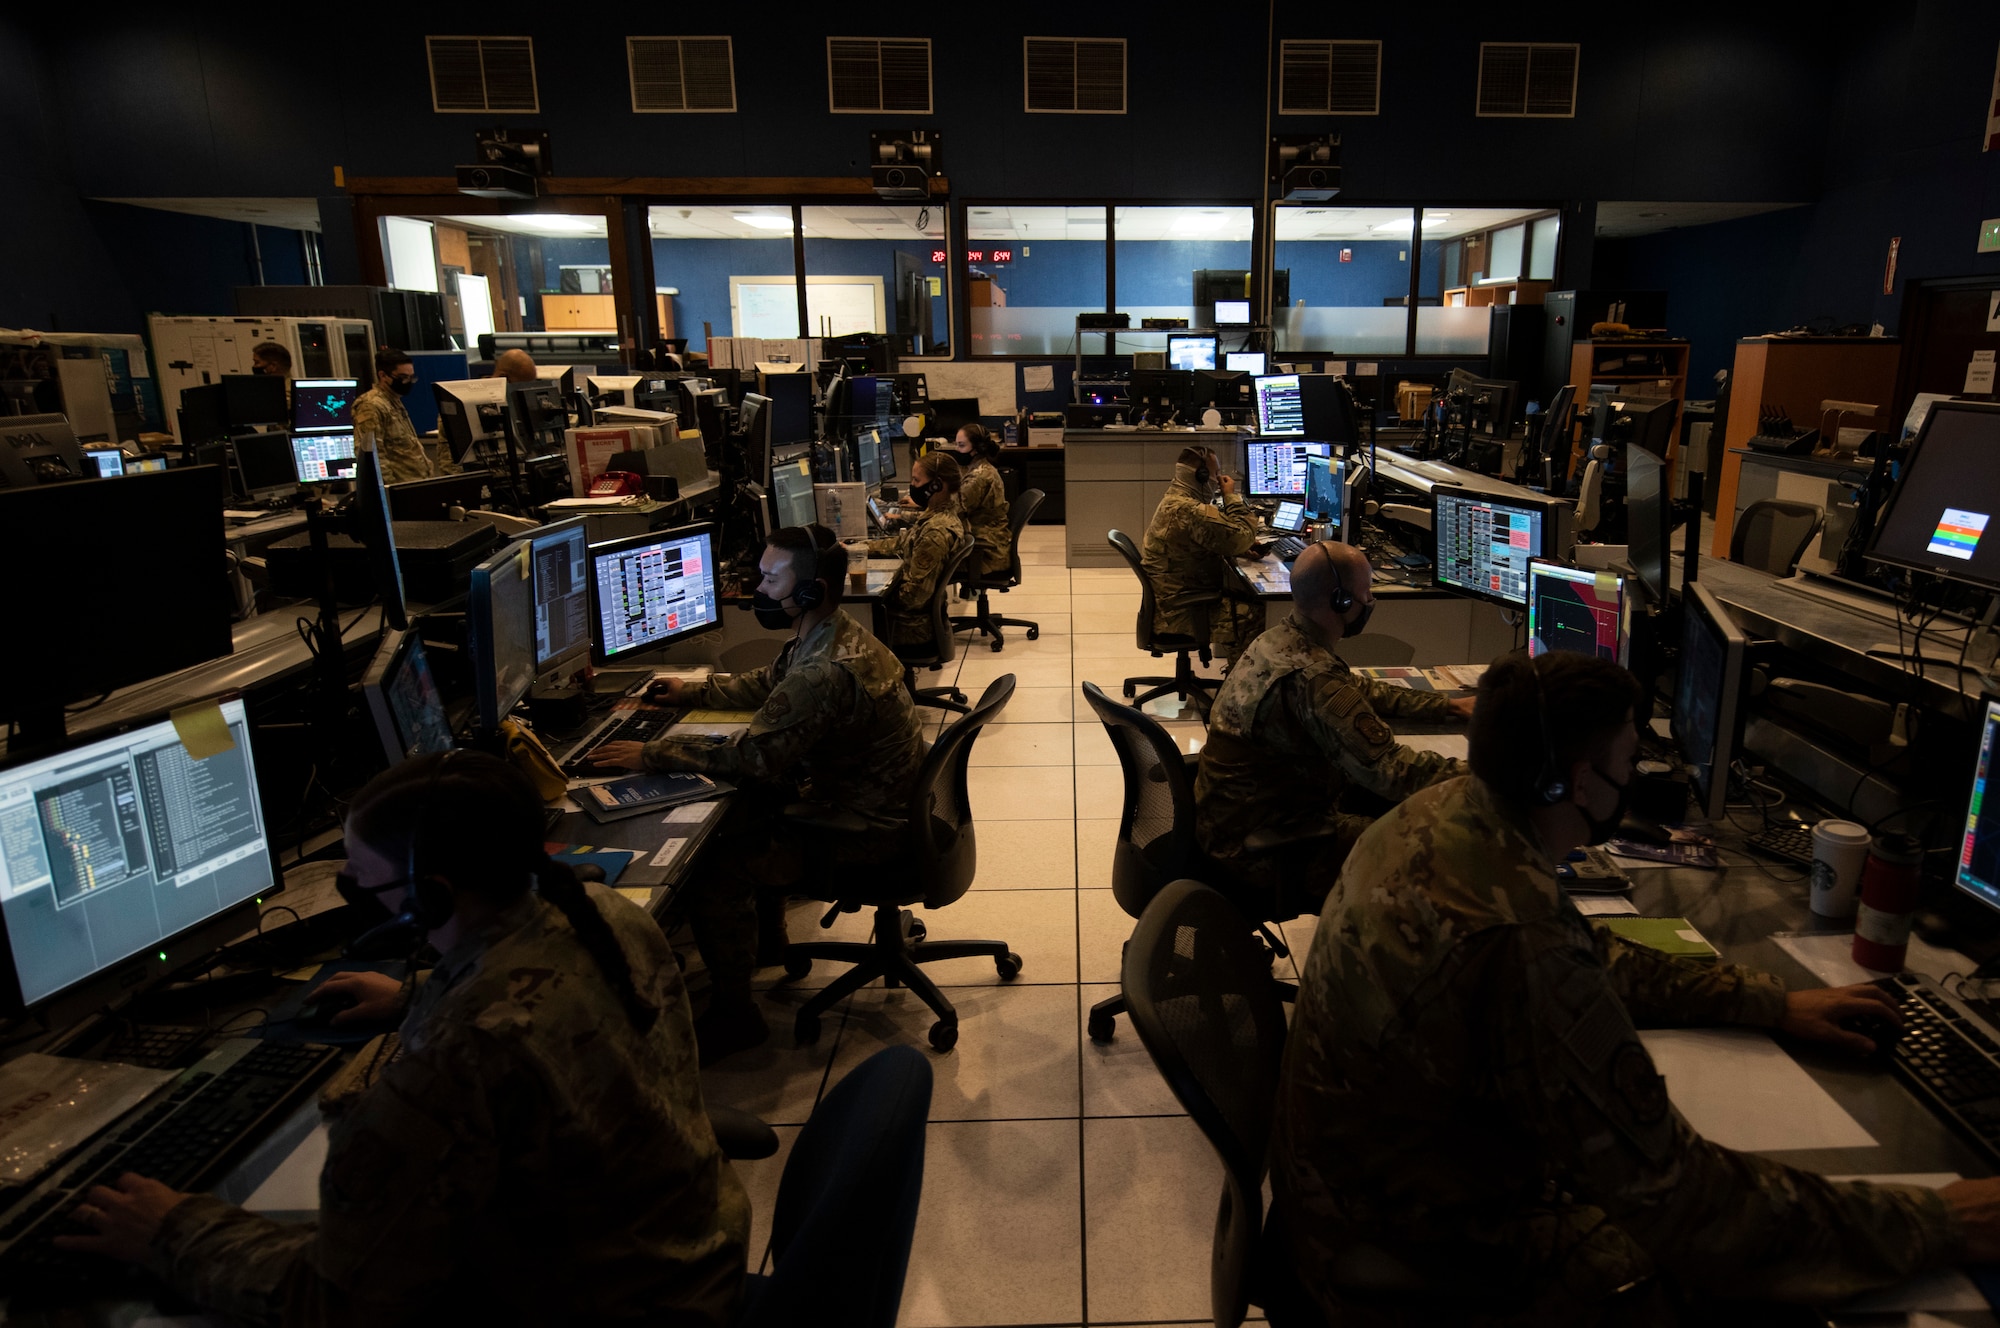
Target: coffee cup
x=857, y=576
x=1840, y=850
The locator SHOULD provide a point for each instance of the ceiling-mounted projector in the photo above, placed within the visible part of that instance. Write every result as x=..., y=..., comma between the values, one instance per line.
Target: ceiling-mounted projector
x=903, y=162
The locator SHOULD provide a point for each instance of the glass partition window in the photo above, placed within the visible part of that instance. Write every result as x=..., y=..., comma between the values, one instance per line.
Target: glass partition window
x=1029, y=272
x=871, y=268
x=1186, y=262
x=501, y=273
x=1341, y=279
x=725, y=269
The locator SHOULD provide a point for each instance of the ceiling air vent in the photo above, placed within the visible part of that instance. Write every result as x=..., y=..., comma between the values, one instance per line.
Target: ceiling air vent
x=479, y=74
x=1329, y=77
x=1074, y=75
x=869, y=74
x=681, y=73
x=1531, y=79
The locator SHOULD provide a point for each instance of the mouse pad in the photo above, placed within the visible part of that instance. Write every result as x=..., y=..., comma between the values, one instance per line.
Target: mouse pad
x=283, y=1027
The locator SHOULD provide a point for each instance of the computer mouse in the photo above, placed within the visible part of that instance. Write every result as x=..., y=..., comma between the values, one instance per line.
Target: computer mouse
x=1643, y=830
x=659, y=693
x=321, y=1007
x=1879, y=1029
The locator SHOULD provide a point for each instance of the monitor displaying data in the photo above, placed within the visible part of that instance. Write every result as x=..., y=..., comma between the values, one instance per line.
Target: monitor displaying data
x=113, y=846
x=1942, y=516
x=1325, y=487
x=652, y=589
x=404, y=699
x=1484, y=544
x=1191, y=352
x=319, y=457
x=1977, y=871
x=1231, y=312
x=1275, y=468
x=561, y=565
x=792, y=491
x=1280, y=407
x=1578, y=610
x=1244, y=361
x=1290, y=518
x=324, y=404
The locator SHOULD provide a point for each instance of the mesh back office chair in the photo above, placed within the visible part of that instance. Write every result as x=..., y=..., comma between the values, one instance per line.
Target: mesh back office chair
x=1200, y=995
x=942, y=648
x=1773, y=534
x=1020, y=511
x=934, y=868
x=1185, y=684
x=846, y=1213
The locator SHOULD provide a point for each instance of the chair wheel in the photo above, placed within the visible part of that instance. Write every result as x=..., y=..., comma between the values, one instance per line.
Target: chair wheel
x=796, y=968
x=1008, y=966
x=1102, y=1027
x=1131, y=690
x=997, y=643
x=1034, y=633
x=917, y=929
x=805, y=1028
x=958, y=697
x=944, y=1036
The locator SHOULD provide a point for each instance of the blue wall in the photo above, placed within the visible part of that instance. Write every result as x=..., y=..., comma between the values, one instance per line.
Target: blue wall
x=576, y=251
x=1055, y=274
x=1324, y=282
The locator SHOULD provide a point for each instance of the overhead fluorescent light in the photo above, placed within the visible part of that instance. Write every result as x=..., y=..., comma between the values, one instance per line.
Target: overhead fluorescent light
x=1401, y=225
x=557, y=221
x=764, y=221
x=1201, y=221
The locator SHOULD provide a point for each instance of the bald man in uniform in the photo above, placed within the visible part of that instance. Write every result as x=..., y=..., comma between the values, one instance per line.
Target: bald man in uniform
x=516, y=366
x=1293, y=730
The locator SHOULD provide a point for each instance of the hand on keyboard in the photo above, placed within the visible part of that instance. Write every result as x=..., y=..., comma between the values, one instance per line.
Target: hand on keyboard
x=125, y=1219
x=619, y=755
x=1818, y=1014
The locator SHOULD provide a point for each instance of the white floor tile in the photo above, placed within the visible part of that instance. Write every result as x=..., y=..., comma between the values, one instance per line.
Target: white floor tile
x=1119, y=1077
x=1150, y=1191
x=1102, y=930
x=983, y=666
x=1095, y=841
x=1019, y=793
x=1100, y=791
x=1026, y=855
x=1025, y=744
x=1015, y=647
x=760, y=1182
x=1037, y=925
x=1123, y=619
x=779, y=1081
x=1126, y=603
x=1106, y=645
x=1039, y=705
x=1016, y=1057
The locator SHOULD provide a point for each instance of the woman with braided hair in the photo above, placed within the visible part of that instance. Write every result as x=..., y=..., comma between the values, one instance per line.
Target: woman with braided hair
x=539, y=1152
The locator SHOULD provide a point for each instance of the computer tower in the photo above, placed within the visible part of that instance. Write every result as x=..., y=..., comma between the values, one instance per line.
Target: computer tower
x=1516, y=349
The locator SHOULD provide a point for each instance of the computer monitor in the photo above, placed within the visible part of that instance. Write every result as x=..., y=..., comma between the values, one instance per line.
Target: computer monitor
x=1939, y=517
x=373, y=529
x=1271, y=469
x=70, y=639
x=149, y=463
x=1485, y=541
x=789, y=403
x=753, y=422
x=560, y=562
x=1162, y=393
x=1491, y=404
x=125, y=858
x=324, y=405
x=1245, y=361
x=1191, y=352
x=1707, y=719
x=1579, y=610
x=1646, y=422
x=1290, y=518
x=264, y=464
x=870, y=459
x=1280, y=411
x=319, y=457
x=1326, y=492
x=249, y=399
x=432, y=499
x=538, y=417
x=470, y=409
x=1231, y=313
x=1648, y=519
x=1977, y=870
x=500, y=636
x=885, y=455
x=652, y=590
x=104, y=463
x=403, y=697
x=792, y=488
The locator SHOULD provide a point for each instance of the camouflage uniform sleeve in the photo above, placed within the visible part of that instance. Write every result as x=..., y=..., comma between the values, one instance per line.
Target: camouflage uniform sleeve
x=1333, y=710
x=398, y=454
x=1227, y=530
x=409, y=1160
x=1405, y=702
x=734, y=691
x=798, y=713
x=887, y=546
x=1569, y=1071
x=1662, y=991
x=923, y=563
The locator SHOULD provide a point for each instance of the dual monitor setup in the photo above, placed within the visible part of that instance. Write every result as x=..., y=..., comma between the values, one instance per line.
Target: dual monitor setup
x=1309, y=482
x=545, y=600
x=270, y=446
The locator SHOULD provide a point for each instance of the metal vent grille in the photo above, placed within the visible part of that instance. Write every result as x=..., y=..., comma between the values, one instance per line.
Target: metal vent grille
x=1531, y=79
x=1074, y=75
x=1329, y=78
x=479, y=74
x=681, y=73
x=870, y=74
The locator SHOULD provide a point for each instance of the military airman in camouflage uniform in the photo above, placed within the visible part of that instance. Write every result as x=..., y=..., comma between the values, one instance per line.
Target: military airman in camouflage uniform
x=399, y=454
x=533, y=1157
x=926, y=546
x=1189, y=543
x=1292, y=729
x=1464, y=1093
x=983, y=498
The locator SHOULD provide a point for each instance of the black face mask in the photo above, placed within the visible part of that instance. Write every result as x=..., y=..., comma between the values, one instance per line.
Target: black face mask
x=1356, y=626
x=771, y=614
x=921, y=494
x=401, y=387
x=1601, y=830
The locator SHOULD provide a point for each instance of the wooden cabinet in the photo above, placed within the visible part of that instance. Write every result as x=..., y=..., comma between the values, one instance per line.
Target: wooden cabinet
x=981, y=293
x=1795, y=375
x=1498, y=292
x=1643, y=368
x=594, y=313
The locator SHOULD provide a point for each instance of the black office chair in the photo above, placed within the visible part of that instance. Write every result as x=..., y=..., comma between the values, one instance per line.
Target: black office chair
x=1773, y=534
x=1200, y=995
x=935, y=868
x=1020, y=511
x=942, y=648
x=1156, y=841
x=1185, y=683
x=847, y=1204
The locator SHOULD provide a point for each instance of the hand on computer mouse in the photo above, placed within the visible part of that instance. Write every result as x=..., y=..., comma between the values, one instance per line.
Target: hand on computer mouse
x=1859, y=1018
x=355, y=998
x=665, y=692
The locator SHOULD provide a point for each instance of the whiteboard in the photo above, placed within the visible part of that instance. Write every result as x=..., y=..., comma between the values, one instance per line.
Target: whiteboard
x=835, y=306
x=993, y=384
x=475, y=302
x=412, y=258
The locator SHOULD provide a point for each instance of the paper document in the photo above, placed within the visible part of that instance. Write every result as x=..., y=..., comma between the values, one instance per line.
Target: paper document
x=294, y=1186
x=1829, y=956
x=1038, y=378
x=1739, y=1089
x=1445, y=744
x=718, y=716
x=688, y=813
x=1602, y=907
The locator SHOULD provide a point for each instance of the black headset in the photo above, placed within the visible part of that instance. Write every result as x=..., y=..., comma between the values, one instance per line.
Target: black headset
x=1342, y=599
x=812, y=594
x=1550, y=787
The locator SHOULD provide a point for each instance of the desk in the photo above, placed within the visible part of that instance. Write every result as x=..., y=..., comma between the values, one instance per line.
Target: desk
x=1442, y=627
x=1114, y=478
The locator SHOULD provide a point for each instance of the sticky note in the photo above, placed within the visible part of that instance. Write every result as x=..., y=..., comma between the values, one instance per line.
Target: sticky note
x=525, y=563
x=202, y=730
x=668, y=852
x=687, y=813
x=1607, y=585
x=641, y=895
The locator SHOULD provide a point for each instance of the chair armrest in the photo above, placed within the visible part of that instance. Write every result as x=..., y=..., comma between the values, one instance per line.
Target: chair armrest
x=817, y=816
x=744, y=1138
x=1190, y=597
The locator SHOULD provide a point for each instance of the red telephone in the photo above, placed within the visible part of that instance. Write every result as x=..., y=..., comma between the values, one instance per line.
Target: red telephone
x=618, y=483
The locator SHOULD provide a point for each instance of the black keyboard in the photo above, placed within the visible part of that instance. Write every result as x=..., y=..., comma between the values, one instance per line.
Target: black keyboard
x=156, y=1047
x=1949, y=1058
x=1288, y=547
x=184, y=1136
x=1787, y=841
x=642, y=725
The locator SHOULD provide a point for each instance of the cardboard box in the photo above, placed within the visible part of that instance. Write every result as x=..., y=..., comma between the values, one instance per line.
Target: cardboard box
x=1413, y=399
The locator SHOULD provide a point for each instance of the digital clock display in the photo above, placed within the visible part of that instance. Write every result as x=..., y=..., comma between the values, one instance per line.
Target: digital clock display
x=989, y=255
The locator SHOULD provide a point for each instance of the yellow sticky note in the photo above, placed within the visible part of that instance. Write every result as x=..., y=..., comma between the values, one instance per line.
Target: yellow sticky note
x=641, y=895
x=526, y=563
x=202, y=730
x=937, y=285
x=1607, y=584
x=805, y=466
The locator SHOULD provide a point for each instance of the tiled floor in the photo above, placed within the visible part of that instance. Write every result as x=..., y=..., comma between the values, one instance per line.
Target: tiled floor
x=1063, y=1184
